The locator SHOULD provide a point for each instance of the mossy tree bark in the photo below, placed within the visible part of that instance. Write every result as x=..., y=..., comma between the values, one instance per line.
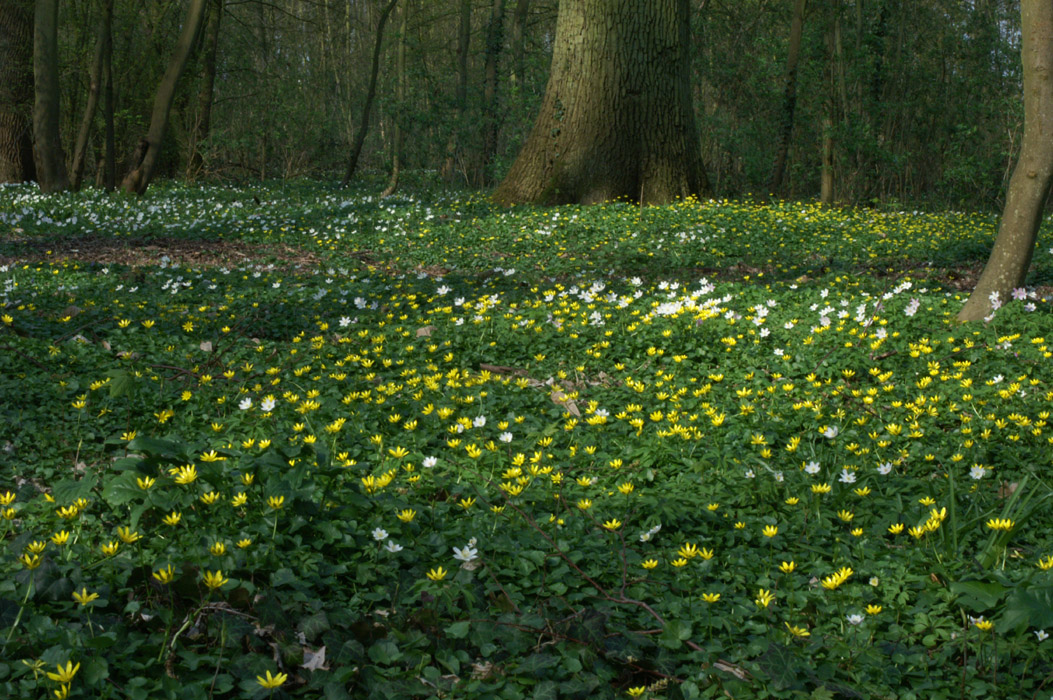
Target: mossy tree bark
x=16, y=91
x=616, y=120
x=138, y=179
x=1029, y=186
x=47, y=142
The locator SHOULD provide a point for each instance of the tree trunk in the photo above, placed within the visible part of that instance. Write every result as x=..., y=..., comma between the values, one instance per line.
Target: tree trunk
x=826, y=181
x=109, y=162
x=519, y=18
x=464, y=35
x=95, y=79
x=616, y=120
x=789, y=102
x=47, y=142
x=16, y=91
x=208, y=82
x=138, y=179
x=371, y=93
x=491, y=83
x=1029, y=187
x=400, y=96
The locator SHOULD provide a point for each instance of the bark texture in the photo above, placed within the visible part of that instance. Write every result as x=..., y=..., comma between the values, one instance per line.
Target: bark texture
x=1029, y=186
x=16, y=91
x=789, y=100
x=47, y=142
x=616, y=120
x=138, y=179
x=203, y=126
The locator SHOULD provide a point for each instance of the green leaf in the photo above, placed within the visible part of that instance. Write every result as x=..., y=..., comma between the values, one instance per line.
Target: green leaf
x=385, y=652
x=674, y=634
x=69, y=490
x=458, y=630
x=121, y=489
x=977, y=595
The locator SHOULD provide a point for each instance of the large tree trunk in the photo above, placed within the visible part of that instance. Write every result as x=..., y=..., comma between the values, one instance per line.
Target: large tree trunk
x=1029, y=187
x=47, y=142
x=616, y=120
x=464, y=34
x=789, y=101
x=16, y=91
x=138, y=179
x=80, y=150
x=371, y=93
x=109, y=161
x=208, y=81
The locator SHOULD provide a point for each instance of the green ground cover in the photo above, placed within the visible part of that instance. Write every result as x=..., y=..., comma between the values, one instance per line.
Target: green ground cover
x=424, y=447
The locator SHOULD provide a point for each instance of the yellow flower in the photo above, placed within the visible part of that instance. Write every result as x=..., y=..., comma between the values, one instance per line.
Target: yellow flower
x=585, y=503
x=770, y=531
x=127, y=437
x=210, y=497
x=1046, y=563
x=857, y=532
x=68, y=512
x=110, y=548
x=706, y=554
x=649, y=564
x=834, y=580
x=239, y=500
x=764, y=598
x=272, y=681
x=211, y=456
x=613, y=524
x=466, y=503
x=65, y=675
x=740, y=525
x=679, y=562
x=1000, y=524
x=792, y=501
x=247, y=479
x=400, y=452
x=145, y=482
x=214, y=579
x=688, y=551
x=984, y=625
x=845, y=515
x=711, y=597
x=821, y=488
x=276, y=502
x=863, y=492
x=787, y=567
x=797, y=631
x=626, y=488
x=60, y=538
x=7, y=498
x=244, y=542
x=406, y=515
x=218, y=549
x=895, y=529
x=172, y=518
x=84, y=597
x=186, y=474
x=873, y=609
x=437, y=574
x=636, y=691
x=165, y=575
x=36, y=547
x=127, y=536
x=712, y=506
x=30, y=561
x=927, y=501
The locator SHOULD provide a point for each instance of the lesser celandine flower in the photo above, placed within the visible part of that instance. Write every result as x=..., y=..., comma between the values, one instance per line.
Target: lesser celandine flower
x=127, y=535
x=244, y=542
x=60, y=538
x=146, y=482
x=770, y=531
x=30, y=561
x=649, y=563
x=680, y=561
x=210, y=497
x=110, y=548
x=165, y=575
x=1004, y=524
x=7, y=498
x=218, y=549
x=711, y=597
x=186, y=474
x=797, y=631
x=787, y=567
x=613, y=524
x=764, y=598
x=239, y=499
x=276, y=502
x=272, y=682
x=65, y=675
x=36, y=547
x=214, y=579
x=1046, y=563
x=436, y=574
x=84, y=597
x=636, y=691
x=873, y=609
x=688, y=550
x=172, y=519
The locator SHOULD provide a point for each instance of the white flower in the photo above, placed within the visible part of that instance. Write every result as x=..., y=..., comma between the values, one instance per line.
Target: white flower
x=885, y=468
x=443, y=290
x=380, y=534
x=831, y=432
x=345, y=321
x=467, y=554
x=750, y=474
x=1042, y=635
x=430, y=462
x=245, y=404
x=479, y=421
x=392, y=547
x=268, y=403
x=505, y=437
x=977, y=472
x=854, y=618
x=874, y=581
x=847, y=477
x=812, y=468
x=779, y=477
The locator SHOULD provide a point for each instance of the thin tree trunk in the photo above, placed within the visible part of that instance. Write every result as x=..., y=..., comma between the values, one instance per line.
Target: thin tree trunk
x=491, y=83
x=47, y=143
x=208, y=82
x=826, y=184
x=95, y=80
x=464, y=35
x=363, y=127
x=519, y=18
x=142, y=171
x=1029, y=187
x=400, y=95
x=16, y=91
x=789, y=103
x=109, y=162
